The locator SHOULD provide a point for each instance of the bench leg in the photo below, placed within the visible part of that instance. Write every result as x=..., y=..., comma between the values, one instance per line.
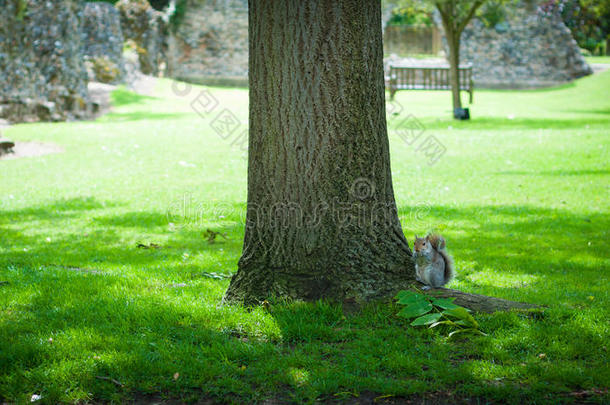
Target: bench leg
x=470, y=99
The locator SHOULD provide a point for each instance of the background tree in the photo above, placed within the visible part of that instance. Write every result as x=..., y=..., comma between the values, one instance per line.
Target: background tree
x=589, y=21
x=409, y=12
x=321, y=219
x=455, y=16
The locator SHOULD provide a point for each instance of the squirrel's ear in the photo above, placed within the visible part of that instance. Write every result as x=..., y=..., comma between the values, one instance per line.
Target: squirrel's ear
x=416, y=236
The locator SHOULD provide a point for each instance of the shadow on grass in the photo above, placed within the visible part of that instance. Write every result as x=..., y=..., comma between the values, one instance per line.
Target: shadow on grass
x=138, y=327
x=524, y=248
x=605, y=111
x=517, y=123
x=110, y=241
x=63, y=208
x=98, y=338
x=122, y=96
x=555, y=173
x=140, y=116
x=507, y=239
x=134, y=219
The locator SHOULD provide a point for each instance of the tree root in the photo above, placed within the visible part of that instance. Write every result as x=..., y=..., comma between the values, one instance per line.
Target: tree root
x=480, y=303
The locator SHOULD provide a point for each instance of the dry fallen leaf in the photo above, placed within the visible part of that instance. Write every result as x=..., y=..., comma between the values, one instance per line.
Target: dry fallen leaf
x=176, y=376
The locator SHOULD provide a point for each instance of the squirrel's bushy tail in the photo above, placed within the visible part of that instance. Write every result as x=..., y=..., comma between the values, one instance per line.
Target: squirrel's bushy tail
x=449, y=270
x=438, y=243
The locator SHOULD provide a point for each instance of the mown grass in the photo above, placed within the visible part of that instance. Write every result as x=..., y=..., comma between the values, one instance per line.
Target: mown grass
x=598, y=59
x=521, y=195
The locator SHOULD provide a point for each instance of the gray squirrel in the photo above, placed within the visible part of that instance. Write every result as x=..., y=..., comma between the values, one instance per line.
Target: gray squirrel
x=433, y=265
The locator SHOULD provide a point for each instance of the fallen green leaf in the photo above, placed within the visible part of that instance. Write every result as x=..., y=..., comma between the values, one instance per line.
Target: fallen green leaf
x=426, y=319
x=416, y=309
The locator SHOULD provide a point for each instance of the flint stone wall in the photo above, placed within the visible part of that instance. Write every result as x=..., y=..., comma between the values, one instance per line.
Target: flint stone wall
x=41, y=69
x=147, y=27
x=529, y=49
x=210, y=45
x=102, y=41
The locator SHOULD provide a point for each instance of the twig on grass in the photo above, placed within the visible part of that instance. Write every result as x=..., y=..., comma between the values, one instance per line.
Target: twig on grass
x=112, y=380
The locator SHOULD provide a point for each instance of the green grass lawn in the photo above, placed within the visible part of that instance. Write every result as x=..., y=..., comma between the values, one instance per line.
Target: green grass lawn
x=521, y=195
x=598, y=59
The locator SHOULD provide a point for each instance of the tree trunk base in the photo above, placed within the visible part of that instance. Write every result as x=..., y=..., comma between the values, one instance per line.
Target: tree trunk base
x=249, y=290
x=480, y=303
x=252, y=286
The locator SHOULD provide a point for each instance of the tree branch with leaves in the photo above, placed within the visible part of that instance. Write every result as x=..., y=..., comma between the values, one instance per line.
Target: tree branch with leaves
x=455, y=16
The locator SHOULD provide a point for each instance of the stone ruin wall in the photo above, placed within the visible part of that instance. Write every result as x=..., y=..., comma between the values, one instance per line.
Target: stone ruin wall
x=529, y=49
x=50, y=50
x=102, y=43
x=147, y=28
x=41, y=68
x=210, y=44
x=44, y=47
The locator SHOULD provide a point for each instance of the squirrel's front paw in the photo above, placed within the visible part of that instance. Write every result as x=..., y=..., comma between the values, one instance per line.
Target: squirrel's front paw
x=426, y=287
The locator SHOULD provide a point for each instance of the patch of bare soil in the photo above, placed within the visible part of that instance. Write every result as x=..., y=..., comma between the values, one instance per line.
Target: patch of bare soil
x=100, y=92
x=143, y=84
x=599, y=67
x=100, y=95
x=30, y=149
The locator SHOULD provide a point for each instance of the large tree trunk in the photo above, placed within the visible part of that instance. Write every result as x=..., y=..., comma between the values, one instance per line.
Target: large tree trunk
x=453, y=43
x=321, y=218
x=454, y=62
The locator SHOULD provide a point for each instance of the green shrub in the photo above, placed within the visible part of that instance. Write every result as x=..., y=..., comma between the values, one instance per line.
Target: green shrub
x=21, y=7
x=178, y=14
x=492, y=14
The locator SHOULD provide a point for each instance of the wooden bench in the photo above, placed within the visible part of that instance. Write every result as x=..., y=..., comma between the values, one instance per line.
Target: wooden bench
x=6, y=146
x=427, y=78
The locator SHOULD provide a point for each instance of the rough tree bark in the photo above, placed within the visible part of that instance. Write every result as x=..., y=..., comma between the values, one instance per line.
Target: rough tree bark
x=453, y=43
x=480, y=303
x=321, y=219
